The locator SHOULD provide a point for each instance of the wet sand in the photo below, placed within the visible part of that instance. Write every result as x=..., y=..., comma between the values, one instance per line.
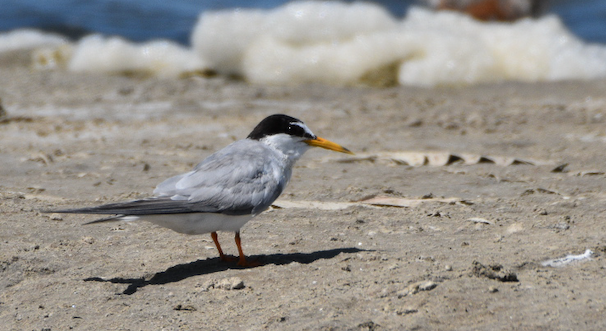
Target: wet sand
x=467, y=255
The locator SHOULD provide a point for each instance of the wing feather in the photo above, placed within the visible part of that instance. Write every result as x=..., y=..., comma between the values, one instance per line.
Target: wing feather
x=243, y=178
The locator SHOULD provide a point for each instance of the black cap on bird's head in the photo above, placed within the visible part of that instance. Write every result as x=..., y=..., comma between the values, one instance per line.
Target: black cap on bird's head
x=284, y=124
x=278, y=123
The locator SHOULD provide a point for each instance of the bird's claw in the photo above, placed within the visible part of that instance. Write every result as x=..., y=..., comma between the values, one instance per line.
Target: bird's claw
x=248, y=264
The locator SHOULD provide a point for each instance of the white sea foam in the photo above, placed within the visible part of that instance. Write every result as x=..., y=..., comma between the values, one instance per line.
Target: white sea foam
x=225, y=38
x=27, y=38
x=96, y=53
x=342, y=44
x=338, y=43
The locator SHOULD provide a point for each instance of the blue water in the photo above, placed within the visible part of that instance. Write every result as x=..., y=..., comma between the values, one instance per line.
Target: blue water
x=141, y=20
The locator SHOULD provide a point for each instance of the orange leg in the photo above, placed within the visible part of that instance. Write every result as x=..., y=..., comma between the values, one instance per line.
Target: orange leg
x=221, y=255
x=242, y=262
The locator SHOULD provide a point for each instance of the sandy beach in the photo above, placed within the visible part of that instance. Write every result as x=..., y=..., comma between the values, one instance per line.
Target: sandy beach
x=451, y=245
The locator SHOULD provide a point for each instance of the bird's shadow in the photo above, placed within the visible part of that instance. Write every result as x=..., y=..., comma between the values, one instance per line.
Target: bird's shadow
x=209, y=266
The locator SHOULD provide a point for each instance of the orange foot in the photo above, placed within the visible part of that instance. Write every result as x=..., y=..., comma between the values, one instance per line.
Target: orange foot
x=243, y=262
x=228, y=258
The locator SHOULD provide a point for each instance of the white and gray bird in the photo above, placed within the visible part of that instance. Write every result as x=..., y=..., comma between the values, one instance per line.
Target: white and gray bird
x=228, y=188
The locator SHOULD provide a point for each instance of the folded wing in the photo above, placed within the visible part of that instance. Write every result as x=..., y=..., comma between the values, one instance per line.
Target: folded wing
x=237, y=180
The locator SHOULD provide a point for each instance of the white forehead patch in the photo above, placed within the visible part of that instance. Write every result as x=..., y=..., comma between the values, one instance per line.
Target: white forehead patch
x=304, y=127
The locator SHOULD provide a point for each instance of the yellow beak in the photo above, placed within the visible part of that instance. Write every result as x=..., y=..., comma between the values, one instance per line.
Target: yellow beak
x=321, y=142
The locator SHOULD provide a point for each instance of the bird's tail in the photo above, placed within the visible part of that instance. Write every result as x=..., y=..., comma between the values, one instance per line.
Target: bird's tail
x=93, y=210
x=107, y=219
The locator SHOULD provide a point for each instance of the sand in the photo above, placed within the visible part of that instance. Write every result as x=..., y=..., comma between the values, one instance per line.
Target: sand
x=445, y=247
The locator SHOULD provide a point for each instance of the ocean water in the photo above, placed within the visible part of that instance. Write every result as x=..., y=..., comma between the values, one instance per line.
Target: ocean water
x=338, y=43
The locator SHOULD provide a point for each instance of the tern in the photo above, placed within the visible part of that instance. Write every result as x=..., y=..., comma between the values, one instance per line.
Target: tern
x=228, y=188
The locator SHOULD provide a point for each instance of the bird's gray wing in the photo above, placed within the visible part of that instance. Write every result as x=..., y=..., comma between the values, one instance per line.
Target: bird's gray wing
x=244, y=177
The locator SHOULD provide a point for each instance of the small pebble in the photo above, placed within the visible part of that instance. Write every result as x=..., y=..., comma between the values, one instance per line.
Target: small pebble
x=88, y=240
x=493, y=289
x=514, y=228
x=427, y=286
x=232, y=283
x=406, y=311
x=185, y=307
x=416, y=288
x=56, y=217
x=480, y=220
x=448, y=267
